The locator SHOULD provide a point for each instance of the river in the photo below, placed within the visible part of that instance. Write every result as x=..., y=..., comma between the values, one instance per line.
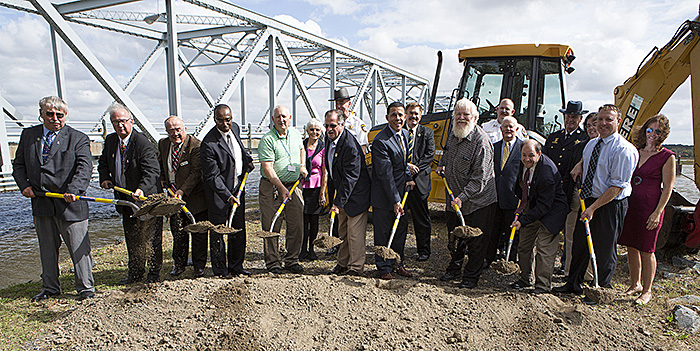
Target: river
x=19, y=248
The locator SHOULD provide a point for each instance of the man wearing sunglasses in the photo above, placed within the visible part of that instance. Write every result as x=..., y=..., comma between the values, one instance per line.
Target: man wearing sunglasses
x=63, y=165
x=129, y=160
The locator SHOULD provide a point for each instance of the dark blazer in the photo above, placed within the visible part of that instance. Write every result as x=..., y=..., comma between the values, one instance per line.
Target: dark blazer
x=389, y=169
x=68, y=169
x=423, y=155
x=348, y=181
x=561, y=151
x=218, y=172
x=188, y=176
x=506, y=178
x=141, y=171
x=546, y=199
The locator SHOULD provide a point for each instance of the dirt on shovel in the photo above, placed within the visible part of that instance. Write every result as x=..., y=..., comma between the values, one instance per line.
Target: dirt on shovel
x=225, y=230
x=327, y=242
x=387, y=253
x=466, y=232
x=199, y=227
x=601, y=296
x=505, y=267
x=160, y=205
x=263, y=234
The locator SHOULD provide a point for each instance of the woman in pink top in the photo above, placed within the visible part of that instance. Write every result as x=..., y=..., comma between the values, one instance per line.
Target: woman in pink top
x=313, y=187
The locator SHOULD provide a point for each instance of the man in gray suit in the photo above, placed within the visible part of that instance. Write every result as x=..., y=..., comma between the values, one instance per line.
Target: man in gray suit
x=54, y=157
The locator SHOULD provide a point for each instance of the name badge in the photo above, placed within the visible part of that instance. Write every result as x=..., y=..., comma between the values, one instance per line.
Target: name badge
x=184, y=163
x=291, y=168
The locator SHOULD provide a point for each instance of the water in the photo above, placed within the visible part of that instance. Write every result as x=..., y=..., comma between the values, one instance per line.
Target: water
x=19, y=248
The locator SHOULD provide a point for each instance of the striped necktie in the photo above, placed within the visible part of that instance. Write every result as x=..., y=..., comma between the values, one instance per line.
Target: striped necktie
x=587, y=189
x=409, y=158
x=176, y=157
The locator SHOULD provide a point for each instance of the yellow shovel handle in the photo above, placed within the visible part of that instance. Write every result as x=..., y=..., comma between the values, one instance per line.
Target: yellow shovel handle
x=589, y=241
x=128, y=192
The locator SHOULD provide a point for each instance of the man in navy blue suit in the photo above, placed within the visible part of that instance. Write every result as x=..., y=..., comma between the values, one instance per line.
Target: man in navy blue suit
x=392, y=178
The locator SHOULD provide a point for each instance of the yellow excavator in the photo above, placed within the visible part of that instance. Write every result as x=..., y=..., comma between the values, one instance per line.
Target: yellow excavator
x=534, y=77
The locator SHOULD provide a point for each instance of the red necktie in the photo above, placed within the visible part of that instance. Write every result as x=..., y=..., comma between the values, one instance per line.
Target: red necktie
x=176, y=156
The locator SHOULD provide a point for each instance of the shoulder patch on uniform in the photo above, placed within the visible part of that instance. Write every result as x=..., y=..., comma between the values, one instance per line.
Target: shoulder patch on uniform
x=364, y=128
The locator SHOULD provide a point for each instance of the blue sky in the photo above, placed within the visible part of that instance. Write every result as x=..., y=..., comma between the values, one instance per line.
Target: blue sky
x=610, y=38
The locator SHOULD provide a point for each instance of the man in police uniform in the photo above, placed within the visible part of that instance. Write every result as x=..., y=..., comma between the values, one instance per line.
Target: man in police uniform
x=506, y=108
x=353, y=124
x=560, y=149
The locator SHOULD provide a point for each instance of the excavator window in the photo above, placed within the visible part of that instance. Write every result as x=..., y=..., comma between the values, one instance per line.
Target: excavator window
x=550, y=98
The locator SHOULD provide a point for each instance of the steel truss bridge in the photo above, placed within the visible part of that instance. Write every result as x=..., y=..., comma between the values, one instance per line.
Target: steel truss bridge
x=226, y=35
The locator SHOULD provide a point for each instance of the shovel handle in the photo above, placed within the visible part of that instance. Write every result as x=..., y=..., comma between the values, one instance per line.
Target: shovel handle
x=95, y=199
x=396, y=220
x=589, y=241
x=452, y=196
x=284, y=203
x=128, y=192
x=189, y=214
x=238, y=197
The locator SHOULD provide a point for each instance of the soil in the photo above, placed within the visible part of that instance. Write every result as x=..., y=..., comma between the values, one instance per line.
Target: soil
x=387, y=253
x=317, y=311
x=505, y=267
x=160, y=205
x=199, y=227
x=466, y=232
x=326, y=241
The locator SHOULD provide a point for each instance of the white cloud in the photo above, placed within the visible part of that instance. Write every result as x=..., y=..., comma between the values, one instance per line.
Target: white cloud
x=336, y=7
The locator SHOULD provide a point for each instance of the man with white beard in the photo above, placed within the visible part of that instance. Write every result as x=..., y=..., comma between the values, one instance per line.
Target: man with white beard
x=467, y=164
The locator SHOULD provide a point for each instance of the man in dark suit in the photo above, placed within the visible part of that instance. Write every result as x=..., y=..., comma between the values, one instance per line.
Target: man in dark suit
x=349, y=189
x=543, y=211
x=421, y=151
x=392, y=179
x=224, y=162
x=181, y=171
x=129, y=160
x=506, y=161
x=54, y=157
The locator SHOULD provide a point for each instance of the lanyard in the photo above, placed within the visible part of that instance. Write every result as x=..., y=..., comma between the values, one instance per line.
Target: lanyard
x=284, y=144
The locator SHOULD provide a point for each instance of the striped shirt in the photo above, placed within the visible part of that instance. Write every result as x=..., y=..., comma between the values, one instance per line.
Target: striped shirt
x=469, y=171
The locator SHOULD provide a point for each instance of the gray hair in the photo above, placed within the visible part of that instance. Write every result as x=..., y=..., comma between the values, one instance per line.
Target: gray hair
x=115, y=106
x=49, y=102
x=466, y=104
x=314, y=122
x=338, y=112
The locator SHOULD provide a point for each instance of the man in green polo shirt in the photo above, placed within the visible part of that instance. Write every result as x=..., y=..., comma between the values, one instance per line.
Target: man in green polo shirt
x=282, y=160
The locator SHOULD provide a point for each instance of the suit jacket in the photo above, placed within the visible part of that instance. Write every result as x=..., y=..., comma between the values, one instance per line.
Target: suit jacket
x=561, y=152
x=423, y=155
x=389, y=169
x=546, y=199
x=218, y=172
x=68, y=169
x=141, y=170
x=349, y=183
x=188, y=176
x=506, y=177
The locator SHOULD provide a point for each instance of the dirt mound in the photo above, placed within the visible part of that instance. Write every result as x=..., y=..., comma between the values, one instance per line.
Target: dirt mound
x=327, y=241
x=505, y=267
x=334, y=312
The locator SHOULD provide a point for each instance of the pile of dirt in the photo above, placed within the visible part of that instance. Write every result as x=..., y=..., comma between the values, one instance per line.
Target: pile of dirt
x=505, y=267
x=160, y=204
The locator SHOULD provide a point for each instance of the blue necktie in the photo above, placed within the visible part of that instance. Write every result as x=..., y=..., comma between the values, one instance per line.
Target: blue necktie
x=47, y=145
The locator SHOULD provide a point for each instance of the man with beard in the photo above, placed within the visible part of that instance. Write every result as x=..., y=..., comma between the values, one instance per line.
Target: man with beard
x=505, y=108
x=467, y=164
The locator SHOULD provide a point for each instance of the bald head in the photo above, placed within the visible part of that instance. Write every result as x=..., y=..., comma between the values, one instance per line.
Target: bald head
x=530, y=153
x=506, y=108
x=175, y=127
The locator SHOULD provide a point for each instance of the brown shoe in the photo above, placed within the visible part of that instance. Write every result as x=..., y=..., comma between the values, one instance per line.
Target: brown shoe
x=403, y=272
x=387, y=276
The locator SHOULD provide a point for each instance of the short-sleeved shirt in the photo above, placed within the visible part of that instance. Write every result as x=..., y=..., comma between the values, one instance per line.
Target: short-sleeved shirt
x=493, y=129
x=616, y=163
x=283, y=152
x=357, y=128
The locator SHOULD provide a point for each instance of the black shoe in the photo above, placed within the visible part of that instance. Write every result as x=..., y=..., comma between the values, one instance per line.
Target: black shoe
x=295, y=268
x=240, y=273
x=86, y=295
x=422, y=258
x=198, y=272
x=129, y=280
x=43, y=295
x=519, y=285
x=450, y=275
x=303, y=255
x=588, y=301
x=338, y=270
x=152, y=279
x=311, y=256
x=538, y=291
x=467, y=284
x=177, y=271
x=354, y=273
x=566, y=289
x=275, y=270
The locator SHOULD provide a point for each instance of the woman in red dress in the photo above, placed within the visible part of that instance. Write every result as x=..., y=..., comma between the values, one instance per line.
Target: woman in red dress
x=645, y=214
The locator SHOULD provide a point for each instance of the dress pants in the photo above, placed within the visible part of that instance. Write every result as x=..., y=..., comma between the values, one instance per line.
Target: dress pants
x=50, y=230
x=606, y=227
x=475, y=247
x=144, y=244
x=353, y=231
x=293, y=215
x=199, y=241
x=537, y=251
x=500, y=234
x=224, y=262
x=421, y=220
x=383, y=220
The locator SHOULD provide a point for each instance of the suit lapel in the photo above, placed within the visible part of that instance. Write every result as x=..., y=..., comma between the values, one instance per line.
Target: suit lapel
x=61, y=137
x=224, y=145
x=38, y=144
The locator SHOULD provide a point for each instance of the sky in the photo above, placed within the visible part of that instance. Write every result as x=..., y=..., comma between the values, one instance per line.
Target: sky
x=609, y=38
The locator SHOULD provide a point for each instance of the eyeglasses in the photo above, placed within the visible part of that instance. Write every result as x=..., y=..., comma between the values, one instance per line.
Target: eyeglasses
x=657, y=131
x=117, y=122
x=332, y=125
x=58, y=115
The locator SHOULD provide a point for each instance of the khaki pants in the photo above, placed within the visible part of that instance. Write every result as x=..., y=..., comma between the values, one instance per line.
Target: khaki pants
x=571, y=220
x=293, y=215
x=352, y=230
x=539, y=247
